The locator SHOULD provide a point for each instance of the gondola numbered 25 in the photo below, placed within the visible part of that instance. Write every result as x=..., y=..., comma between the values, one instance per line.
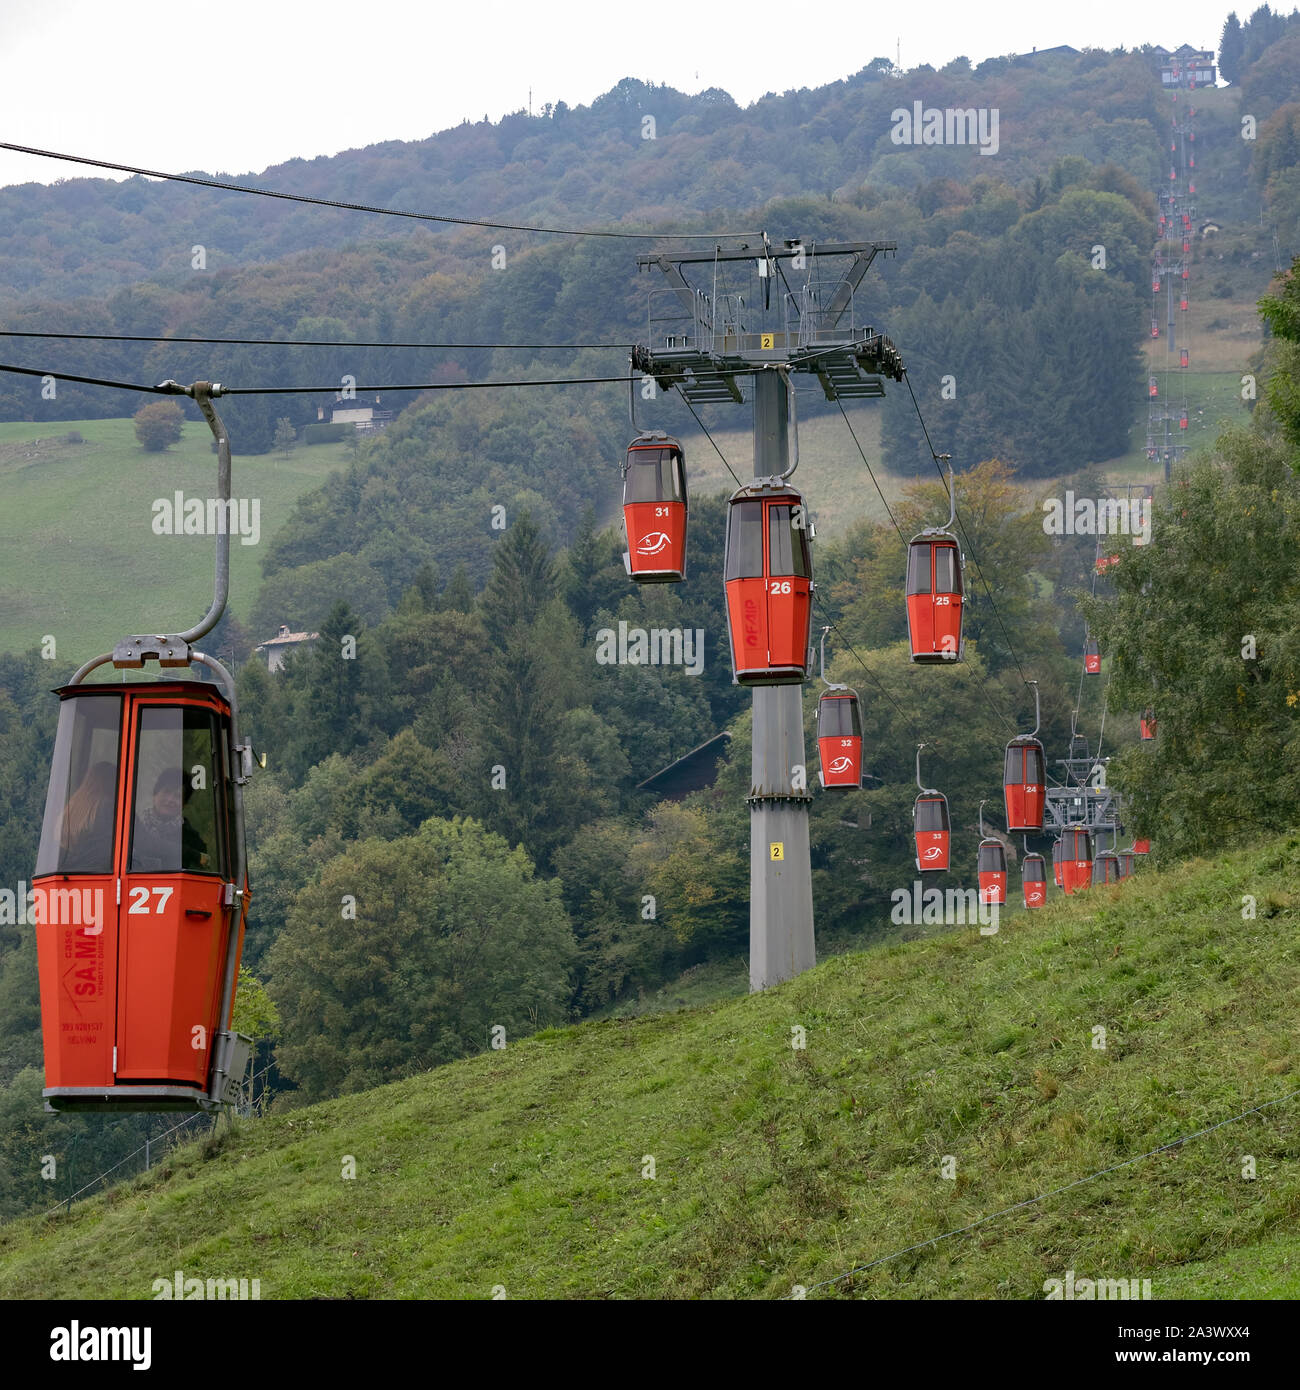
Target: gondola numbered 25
x=141, y=878
x=935, y=591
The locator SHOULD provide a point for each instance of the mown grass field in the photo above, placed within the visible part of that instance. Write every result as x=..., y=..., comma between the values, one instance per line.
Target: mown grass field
x=774, y=1167
x=78, y=557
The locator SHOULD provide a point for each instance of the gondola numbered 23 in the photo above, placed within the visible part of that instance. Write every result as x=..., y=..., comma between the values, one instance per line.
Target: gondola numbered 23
x=141, y=879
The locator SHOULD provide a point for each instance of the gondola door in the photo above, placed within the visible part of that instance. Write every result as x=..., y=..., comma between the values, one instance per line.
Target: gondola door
x=174, y=887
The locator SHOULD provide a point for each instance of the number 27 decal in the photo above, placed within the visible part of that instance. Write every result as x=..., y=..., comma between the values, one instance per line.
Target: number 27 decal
x=140, y=899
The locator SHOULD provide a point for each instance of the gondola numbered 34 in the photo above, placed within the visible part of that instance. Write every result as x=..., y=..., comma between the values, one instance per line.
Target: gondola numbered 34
x=991, y=867
x=141, y=874
x=1024, y=778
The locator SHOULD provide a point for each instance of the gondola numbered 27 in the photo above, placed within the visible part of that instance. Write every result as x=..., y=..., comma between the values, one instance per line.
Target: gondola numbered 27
x=141, y=874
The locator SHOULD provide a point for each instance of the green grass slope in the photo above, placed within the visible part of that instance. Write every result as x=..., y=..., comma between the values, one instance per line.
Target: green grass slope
x=776, y=1167
x=78, y=557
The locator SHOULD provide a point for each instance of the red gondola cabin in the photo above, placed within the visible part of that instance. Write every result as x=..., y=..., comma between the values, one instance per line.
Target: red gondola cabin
x=1141, y=846
x=654, y=509
x=839, y=738
x=930, y=824
x=1076, y=860
x=1024, y=786
x=1091, y=657
x=135, y=885
x=768, y=568
x=1147, y=725
x=934, y=597
x=1033, y=877
x=992, y=869
x=1105, y=868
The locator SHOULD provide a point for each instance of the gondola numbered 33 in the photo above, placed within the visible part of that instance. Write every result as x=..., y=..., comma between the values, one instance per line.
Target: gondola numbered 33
x=144, y=824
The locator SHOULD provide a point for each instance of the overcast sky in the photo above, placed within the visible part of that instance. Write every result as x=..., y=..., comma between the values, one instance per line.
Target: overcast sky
x=236, y=86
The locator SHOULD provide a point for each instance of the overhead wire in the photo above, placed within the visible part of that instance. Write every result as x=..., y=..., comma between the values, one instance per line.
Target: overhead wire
x=229, y=187
x=303, y=342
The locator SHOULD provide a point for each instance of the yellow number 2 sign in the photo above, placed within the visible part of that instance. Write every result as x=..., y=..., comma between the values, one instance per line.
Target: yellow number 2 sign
x=777, y=849
x=768, y=341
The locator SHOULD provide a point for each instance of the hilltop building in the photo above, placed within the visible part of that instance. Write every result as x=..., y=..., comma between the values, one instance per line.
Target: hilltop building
x=1186, y=67
x=276, y=648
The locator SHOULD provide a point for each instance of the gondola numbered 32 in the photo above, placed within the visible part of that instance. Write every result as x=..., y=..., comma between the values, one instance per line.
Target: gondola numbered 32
x=935, y=590
x=839, y=732
x=141, y=874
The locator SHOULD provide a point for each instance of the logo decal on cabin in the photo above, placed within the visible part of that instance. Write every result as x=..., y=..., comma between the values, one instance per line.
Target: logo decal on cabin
x=653, y=543
x=842, y=763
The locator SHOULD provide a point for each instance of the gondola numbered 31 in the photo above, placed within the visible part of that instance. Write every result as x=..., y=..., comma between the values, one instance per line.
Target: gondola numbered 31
x=144, y=827
x=654, y=509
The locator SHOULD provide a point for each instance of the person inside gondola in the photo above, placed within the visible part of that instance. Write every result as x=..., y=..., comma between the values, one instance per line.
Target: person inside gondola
x=86, y=840
x=165, y=839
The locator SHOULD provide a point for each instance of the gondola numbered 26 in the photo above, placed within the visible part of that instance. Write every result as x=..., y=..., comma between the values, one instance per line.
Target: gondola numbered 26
x=141, y=874
x=769, y=583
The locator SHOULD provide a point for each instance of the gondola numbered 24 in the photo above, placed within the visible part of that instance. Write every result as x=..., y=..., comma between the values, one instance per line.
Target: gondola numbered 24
x=1024, y=783
x=141, y=879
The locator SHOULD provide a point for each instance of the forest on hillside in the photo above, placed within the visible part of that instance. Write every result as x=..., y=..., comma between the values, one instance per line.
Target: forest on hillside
x=519, y=896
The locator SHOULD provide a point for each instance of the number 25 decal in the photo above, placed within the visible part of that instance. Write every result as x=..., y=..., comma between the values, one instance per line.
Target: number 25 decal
x=941, y=600
x=781, y=586
x=140, y=899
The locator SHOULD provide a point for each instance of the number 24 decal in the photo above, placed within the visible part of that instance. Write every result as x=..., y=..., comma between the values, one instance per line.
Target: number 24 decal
x=140, y=899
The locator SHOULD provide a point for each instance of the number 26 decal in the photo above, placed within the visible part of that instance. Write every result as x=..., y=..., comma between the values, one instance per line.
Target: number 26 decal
x=781, y=586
